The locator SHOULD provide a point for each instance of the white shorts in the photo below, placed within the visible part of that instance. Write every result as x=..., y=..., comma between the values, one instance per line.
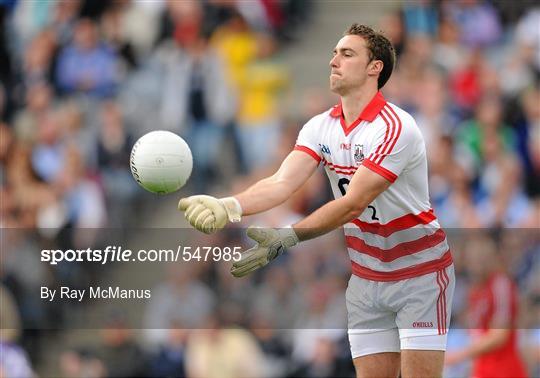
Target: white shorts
x=407, y=314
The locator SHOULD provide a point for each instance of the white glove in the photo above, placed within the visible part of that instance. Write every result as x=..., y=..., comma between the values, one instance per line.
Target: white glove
x=271, y=243
x=209, y=214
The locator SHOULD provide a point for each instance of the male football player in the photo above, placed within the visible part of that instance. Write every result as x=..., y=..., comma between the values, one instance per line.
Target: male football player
x=400, y=292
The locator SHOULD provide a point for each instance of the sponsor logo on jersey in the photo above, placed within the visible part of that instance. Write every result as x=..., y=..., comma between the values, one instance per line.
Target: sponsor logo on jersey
x=422, y=325
x=345, y=146
x=358, y=153
x=325, y=149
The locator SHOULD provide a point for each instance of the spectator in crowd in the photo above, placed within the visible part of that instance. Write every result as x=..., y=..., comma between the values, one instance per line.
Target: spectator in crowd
x=9, y=313
x=478, y=22
x=275, y=292
x=49, y=151
x=64, y=19
x=451, y=193
x=486, y=133
x=420, y=17
x=112, y=150
x=528, y=141
x=170, y=358
x=214, y=352
x=86, y=65
x=236, y=44
x=183, y=301
x=395, y=30
x=120, y=352
x=196, y=100
x=112, y=24
x=14, y=361
x=448, y=52
x=38, y=103
x=493, y=313
x=81, y=363
x=324, y=361
x=259, y=123
x=432, y=115
x=528, y=37
x=29, y=18
x=39, y=57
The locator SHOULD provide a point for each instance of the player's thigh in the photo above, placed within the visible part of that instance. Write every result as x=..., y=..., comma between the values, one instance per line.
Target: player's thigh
x=422, y=363
x=384, y=365
x=375, y=353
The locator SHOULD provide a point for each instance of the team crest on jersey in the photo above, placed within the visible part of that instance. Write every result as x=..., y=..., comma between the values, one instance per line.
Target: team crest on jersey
x=358, y=153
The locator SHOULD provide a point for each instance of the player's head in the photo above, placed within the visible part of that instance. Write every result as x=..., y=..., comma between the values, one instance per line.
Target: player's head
x=482, y=256
x=361, y=55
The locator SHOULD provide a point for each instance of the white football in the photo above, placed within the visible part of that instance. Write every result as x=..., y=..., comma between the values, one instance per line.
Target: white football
x=161, y=162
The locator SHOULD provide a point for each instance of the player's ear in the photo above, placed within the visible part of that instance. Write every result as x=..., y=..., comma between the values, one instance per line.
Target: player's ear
x=375, y=67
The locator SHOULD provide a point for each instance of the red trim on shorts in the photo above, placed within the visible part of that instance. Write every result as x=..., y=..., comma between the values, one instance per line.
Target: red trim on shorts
x=389, y=175
x=400, y=250
x=398, y=224
x=404, y=273
x=447, y=281
x=439, y=310
x=309, y=151
x=442, y=281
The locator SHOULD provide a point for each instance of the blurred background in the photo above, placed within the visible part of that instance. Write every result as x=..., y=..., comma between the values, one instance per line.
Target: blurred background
x=81, y=80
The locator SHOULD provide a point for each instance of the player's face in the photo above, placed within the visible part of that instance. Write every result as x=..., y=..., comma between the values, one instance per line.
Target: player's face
x=349, y=65
x=479, y=257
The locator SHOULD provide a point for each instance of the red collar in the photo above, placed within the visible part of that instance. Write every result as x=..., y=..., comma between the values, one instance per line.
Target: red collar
x=370, y=112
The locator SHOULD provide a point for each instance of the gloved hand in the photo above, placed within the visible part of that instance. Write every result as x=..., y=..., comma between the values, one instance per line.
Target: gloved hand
x=209, y=214
x=271, y=243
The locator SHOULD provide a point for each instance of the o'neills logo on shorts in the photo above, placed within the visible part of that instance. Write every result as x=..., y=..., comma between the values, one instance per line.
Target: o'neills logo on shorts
x=422, y=324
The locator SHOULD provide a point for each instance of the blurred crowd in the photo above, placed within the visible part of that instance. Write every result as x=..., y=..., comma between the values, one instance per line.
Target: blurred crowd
x=81, y=80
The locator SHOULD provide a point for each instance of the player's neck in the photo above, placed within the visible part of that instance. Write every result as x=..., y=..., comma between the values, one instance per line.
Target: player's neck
x=354, y=103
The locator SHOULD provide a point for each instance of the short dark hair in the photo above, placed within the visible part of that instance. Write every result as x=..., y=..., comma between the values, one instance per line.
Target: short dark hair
x=379, y=47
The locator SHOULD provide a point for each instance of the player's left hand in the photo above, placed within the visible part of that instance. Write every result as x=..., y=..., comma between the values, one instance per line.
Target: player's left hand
x=271, y=243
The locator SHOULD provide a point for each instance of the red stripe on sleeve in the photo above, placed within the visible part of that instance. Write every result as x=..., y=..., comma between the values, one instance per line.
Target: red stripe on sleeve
x=309, y=151
x=389, y=175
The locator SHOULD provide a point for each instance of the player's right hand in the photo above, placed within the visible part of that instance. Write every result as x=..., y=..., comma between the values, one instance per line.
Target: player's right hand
x=209, y=214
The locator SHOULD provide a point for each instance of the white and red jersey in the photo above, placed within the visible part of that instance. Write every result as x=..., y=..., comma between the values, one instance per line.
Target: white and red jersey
x=398, y=235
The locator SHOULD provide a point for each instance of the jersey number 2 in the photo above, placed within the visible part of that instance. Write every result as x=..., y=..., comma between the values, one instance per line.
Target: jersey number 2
x=342, y=183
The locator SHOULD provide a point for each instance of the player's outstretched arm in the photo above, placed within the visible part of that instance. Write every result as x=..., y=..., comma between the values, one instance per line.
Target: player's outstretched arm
x=209, y=214
x=272, y=191
x=364, y=187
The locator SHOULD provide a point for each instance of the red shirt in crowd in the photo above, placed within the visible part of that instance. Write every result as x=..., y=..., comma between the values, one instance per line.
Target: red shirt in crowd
x=490, y=304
